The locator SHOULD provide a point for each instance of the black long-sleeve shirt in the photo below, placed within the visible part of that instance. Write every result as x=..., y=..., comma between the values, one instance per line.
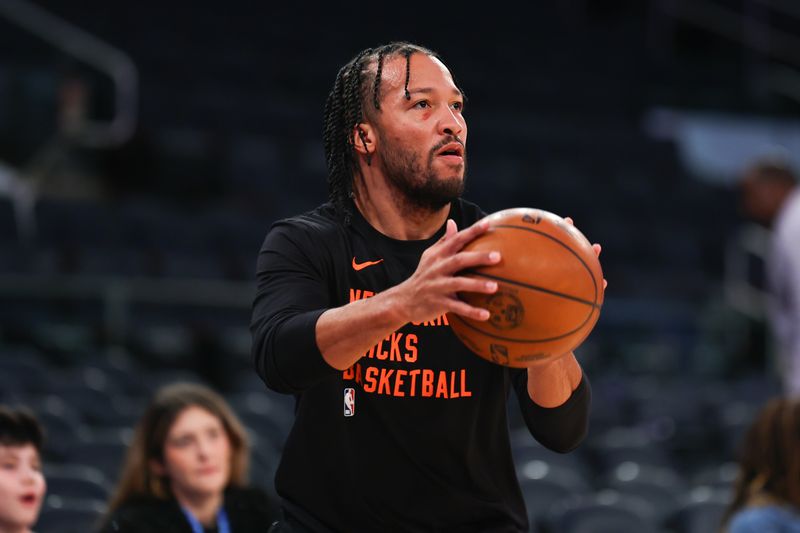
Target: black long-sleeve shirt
x=414, y=436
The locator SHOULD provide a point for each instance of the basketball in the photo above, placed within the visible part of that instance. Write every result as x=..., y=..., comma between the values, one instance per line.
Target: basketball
x=549, y=294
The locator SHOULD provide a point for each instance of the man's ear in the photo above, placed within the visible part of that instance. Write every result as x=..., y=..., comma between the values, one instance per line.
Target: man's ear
x=364, y=139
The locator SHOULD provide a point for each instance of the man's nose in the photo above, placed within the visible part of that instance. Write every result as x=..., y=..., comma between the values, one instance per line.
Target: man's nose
x=450, y=124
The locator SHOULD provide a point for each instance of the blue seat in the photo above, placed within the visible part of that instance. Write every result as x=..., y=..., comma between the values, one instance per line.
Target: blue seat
x=104, y=450
x=269, y=417
x=622, y=444
x=264, y=461
x=660, y=486
x=700, y=511
x=76, y=223
x=27, y=368
x=63, y=426
x=122, y=372
x=97, y=399
x=70, y=515
x=77, y=481
x=603, y=512
x=544, y=485
x=525, y=448
x=717, y=476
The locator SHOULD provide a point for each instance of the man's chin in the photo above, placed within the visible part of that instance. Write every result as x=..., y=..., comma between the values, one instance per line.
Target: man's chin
x=439, y=193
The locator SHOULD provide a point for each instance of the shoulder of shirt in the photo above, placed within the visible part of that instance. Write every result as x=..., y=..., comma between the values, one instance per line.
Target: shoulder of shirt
x=248, y=508
x=145, y=503
x=145, y=511
x=321, y=220
x=470, y=212
x=245, y=496
x=755, y=518
x=789, y=216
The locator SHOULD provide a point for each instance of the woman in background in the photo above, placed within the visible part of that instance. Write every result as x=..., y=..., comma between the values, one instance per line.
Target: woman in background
x=185, y=471
x=767, y=492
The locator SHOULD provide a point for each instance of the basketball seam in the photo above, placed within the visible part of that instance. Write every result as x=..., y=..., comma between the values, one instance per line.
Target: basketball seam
x=525, y=341
x=535, y=288
x=554, y=239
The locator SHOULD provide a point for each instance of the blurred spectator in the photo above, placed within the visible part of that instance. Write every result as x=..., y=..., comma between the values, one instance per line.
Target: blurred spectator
x=186, y=469
x=767, y=491
x=63, y=167
x=22, y=485
x=771, y=197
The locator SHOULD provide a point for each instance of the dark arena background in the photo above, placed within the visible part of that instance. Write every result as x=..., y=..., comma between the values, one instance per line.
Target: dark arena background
x=146, y=147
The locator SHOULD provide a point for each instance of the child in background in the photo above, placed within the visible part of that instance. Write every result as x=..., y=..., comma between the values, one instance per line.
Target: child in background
x=22, y=485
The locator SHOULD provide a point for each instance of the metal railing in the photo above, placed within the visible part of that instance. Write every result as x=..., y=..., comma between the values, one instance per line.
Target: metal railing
x=117, y=295
x=90, y=50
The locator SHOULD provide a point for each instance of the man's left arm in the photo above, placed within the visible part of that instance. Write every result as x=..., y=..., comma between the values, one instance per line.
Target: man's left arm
x=554, y=399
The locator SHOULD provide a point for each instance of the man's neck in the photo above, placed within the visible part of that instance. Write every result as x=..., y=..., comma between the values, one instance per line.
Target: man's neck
x=390, y=214
x=204, y=507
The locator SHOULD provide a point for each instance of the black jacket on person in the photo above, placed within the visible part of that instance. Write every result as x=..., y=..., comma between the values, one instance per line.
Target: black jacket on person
x=248, y=511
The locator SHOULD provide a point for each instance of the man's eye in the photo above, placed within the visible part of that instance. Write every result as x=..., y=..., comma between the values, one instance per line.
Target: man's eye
x=422, y=104
x=458, y=105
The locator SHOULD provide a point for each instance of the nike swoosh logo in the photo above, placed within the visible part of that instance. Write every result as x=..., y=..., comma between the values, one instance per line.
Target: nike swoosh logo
x=365, y=264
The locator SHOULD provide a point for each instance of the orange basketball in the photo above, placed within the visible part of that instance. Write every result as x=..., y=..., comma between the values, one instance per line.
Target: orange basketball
x=549, y=295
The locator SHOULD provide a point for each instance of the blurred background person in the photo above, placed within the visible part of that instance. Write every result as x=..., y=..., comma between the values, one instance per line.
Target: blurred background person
x=186, y=469
x=767, y=492
x=771, y=197
x=22, y=484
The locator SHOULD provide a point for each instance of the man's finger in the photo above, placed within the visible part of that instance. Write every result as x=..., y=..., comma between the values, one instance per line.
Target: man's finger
x=450, y=229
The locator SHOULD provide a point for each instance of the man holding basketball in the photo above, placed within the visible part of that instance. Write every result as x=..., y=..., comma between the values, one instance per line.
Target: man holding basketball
x=399, y=427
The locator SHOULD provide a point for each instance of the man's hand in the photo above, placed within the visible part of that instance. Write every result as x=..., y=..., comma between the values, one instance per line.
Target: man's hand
x=345, y=333
x=432, y=290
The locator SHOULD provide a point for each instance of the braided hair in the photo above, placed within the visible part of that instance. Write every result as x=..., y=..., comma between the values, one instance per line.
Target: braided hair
x=357, y=83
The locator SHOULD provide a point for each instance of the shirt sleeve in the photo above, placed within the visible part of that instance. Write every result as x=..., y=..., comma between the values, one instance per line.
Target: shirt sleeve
x=754, y=520
x=561, y=428
x=785, y=305
x=291, y=295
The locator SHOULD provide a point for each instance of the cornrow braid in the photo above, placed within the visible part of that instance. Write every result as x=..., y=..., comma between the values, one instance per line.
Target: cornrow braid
x=407, y=53
x=376, y=101
x=357, y=82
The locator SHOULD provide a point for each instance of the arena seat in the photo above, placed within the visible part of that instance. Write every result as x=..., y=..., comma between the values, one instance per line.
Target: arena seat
x=70, y=515
x=603, y=512
x=77, y=481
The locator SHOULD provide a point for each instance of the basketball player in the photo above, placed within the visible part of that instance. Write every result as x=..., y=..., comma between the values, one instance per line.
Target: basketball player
x=398, y=426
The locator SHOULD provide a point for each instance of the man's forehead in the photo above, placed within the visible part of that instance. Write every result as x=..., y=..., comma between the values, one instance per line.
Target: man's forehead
x=424, y=69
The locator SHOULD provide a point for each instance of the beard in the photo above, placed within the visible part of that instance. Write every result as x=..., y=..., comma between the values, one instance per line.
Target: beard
x=419, y=185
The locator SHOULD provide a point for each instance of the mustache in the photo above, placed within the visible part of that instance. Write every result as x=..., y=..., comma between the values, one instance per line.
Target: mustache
x=447, y=140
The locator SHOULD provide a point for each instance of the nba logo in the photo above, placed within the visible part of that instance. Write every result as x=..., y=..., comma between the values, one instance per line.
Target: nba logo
x=349, y=402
